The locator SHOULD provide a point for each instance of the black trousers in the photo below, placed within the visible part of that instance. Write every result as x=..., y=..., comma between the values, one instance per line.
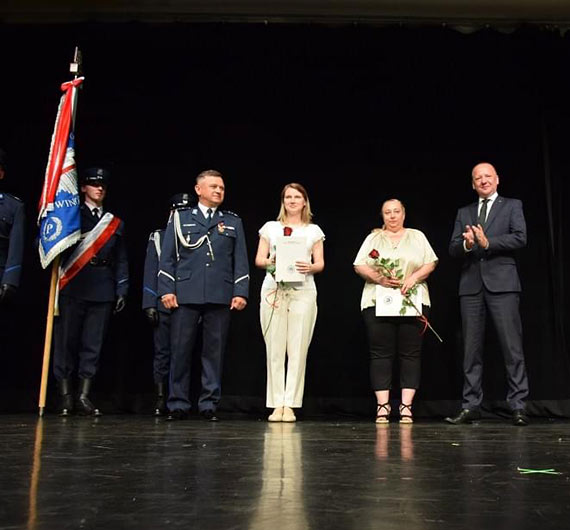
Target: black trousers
x=80, y=331
x=391, y=337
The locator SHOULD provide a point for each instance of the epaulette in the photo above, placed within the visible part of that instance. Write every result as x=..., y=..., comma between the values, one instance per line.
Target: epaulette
x=229, y=212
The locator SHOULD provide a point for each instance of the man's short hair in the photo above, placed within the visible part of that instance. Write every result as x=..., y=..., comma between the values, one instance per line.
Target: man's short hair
x=208, y=173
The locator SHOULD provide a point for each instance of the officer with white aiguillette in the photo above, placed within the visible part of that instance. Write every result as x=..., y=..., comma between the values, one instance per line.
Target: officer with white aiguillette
x=204, y=272
x=11, y=239
x=156, y=314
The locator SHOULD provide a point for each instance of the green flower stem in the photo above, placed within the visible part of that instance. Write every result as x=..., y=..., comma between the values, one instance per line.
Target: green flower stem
x=390, y=270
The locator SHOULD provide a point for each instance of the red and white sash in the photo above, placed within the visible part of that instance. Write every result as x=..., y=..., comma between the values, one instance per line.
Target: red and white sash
x=89, y=246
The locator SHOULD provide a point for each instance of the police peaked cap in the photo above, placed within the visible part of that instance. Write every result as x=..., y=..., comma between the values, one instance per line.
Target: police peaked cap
x=95, y=175
x=181, y=200
x=2, y=159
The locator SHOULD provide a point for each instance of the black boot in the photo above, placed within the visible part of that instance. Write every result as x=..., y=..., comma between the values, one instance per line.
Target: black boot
x=160, y=403
x=84, y=405
x=66, y=397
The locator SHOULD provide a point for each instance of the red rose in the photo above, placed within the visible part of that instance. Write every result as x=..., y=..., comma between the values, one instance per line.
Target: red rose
x=374, y=254
x=287, y=231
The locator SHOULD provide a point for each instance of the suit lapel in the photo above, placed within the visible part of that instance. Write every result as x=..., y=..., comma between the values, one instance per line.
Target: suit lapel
x=88, y=221
x=199, y=216
x=473, y=212
x=496, y=207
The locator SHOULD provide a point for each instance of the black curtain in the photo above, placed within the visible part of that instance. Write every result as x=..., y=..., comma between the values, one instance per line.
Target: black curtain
x=358, y=115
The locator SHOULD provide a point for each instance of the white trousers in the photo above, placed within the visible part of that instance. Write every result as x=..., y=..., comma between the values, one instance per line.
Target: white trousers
x=287, y=322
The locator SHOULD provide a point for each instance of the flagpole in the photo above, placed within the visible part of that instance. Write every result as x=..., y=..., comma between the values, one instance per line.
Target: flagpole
x=48, y=337
x=74, y=68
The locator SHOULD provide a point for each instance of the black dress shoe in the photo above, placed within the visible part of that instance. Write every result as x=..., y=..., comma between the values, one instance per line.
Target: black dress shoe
x=209, y=415
x=520, y=419
x=465, y=416
x=176, y=415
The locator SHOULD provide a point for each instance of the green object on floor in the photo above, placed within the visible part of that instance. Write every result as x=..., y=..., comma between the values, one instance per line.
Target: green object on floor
x=524, y=471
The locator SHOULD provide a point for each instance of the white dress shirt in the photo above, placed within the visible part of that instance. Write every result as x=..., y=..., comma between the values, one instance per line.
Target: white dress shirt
x=204, y=209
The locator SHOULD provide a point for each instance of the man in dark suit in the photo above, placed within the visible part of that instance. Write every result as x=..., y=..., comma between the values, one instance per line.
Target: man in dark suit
x=93, y=284
x=204, y=273
x=11, y=239
x=485, y=237
x=156, y=314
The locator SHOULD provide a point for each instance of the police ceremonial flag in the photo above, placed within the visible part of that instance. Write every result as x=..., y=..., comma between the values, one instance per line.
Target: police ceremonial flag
x=59, y=217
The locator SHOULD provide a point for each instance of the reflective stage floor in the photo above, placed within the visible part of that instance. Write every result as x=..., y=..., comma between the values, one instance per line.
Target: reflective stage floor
x=243, y=473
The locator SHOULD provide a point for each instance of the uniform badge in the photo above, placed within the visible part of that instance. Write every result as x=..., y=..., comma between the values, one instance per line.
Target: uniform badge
x=221, y=227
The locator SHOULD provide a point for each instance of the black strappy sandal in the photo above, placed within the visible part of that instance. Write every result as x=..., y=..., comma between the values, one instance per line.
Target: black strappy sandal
x=383, y=417
x=406, y=418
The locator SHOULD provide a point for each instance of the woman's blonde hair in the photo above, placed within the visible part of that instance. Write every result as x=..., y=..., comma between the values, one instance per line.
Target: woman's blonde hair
x=306, y=214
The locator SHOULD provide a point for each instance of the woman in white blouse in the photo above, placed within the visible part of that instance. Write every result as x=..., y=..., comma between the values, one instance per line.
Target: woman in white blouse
x=288, y=310
x=399, y=336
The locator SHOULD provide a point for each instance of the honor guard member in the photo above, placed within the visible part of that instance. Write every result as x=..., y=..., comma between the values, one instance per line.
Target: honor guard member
x=156, y=314
x=204, y=272
x=11, y=238
x=93, y=284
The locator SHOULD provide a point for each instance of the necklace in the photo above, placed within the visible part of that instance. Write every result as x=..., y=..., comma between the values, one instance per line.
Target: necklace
x=395, y=238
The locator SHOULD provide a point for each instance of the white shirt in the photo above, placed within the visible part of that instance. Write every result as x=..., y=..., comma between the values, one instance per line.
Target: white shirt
x=490, y=201
x=271, y=230
x=92, y=206
x=413, y=251
x=204, y=209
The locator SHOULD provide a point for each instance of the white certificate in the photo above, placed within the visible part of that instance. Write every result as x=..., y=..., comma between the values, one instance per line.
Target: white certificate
x=288, y=250
x=389, y=302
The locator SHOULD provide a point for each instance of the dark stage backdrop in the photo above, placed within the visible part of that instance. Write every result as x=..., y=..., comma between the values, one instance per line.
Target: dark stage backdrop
x=358, y=115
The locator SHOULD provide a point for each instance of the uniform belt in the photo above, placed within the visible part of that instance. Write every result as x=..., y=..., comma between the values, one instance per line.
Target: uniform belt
x=100, y=262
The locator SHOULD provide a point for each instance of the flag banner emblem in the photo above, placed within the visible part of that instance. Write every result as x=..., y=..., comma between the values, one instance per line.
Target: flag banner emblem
x=59, y=215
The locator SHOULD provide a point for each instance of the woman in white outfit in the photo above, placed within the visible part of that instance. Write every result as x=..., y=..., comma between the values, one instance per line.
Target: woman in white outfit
x=288, y=310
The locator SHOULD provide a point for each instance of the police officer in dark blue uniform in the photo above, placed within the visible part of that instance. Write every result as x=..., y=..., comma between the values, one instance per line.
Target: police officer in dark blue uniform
x=11, y=239
x=91, y=296
x=204, y=272
x=157, y=315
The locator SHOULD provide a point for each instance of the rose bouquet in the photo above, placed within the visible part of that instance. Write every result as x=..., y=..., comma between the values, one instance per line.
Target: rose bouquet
x=391, y=269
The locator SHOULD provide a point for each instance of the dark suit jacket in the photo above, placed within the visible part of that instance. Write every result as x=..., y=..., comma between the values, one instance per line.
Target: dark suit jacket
x=495, y=268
